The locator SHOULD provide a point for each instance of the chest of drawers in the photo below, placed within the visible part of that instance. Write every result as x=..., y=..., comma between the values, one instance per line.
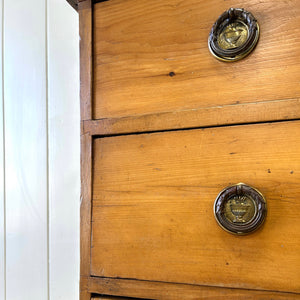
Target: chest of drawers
x=166, y=127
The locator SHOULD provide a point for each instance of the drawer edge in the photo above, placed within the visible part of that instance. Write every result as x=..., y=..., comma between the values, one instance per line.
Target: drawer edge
x=172, y=291
x=276, y=110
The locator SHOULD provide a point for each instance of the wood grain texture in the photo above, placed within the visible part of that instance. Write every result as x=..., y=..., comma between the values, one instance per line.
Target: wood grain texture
x=85, y=32
x=85, y=215
x=170, y=291
x=227, y=114
x=110, y=298
x=153, y=198
x=86, y=69
x=139, y=43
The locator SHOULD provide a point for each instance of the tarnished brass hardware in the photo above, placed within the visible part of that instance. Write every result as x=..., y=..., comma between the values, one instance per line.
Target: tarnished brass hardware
x=240, y=209
x=234, y=35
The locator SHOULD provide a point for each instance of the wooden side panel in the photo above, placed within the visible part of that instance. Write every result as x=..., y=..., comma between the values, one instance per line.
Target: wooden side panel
x=25, y=149
x=85, y=215
x=152, y=57
x=153, y=197
x=64, y=148
x=85, y=33
x=170, y=291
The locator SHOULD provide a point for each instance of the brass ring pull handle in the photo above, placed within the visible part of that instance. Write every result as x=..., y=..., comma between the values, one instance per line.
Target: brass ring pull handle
x=240, y=209
x=234, y=35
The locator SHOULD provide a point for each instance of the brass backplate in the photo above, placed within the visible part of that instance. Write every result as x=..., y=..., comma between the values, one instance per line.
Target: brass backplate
x=240, y=209
x=234, y=35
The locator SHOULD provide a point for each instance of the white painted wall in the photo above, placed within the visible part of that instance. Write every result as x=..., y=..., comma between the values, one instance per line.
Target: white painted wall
x=39, y=150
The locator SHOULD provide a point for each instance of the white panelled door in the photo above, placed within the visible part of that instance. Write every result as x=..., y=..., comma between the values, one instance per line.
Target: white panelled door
x=39, y=151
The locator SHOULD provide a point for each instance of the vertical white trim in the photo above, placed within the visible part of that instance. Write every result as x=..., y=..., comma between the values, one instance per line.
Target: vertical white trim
x=47, y=148
x=25, y=149
x=2, y=168
x=64, y=149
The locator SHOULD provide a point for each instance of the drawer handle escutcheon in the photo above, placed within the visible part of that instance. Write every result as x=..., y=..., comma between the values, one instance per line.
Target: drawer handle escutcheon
x=240, y=209
x=234, y=35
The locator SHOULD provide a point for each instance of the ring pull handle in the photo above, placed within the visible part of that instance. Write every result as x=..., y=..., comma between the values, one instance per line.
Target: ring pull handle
x=234, y=35
x=240, y=209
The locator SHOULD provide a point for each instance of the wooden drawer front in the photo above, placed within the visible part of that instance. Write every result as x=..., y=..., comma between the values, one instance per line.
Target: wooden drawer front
x=111, y=298
x=152, y=57
x=233, y=295
x=153, y=197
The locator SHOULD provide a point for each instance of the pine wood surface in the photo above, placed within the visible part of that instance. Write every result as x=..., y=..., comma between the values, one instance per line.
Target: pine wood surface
x=138, y=43
x=85, y=215
x=110, y=298
x=86, y=64
x=168, y=291
x=230, y=114
x=153, y=193
x=85, y=31
x=153, y=198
